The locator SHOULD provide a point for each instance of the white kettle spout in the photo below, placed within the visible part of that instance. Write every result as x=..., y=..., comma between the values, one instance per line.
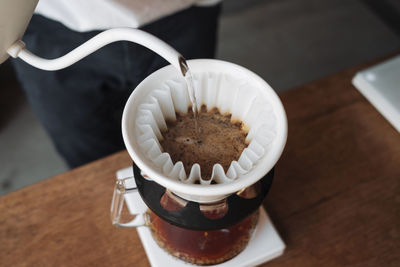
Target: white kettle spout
x=106, y=37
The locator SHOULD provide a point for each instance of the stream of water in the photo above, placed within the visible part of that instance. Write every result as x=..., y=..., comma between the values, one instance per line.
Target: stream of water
x=187, y=74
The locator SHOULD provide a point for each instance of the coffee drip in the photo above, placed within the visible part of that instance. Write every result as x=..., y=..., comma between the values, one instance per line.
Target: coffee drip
x=139, y=134
x=183, y=206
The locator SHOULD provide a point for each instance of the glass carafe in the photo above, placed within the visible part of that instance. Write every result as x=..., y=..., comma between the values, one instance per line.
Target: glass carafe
x=201, y=247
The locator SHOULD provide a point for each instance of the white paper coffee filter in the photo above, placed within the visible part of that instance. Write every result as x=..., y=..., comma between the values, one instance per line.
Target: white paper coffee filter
x=226, y=92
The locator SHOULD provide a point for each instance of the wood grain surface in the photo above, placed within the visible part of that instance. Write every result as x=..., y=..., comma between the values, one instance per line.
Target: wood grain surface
x=335, y=198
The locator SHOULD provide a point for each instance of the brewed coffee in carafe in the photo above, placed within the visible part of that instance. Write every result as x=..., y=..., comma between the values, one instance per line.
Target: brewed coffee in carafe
x=201, y=247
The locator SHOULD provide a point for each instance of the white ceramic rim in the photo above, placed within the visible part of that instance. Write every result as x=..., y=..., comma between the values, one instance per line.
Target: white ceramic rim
x=153, y=81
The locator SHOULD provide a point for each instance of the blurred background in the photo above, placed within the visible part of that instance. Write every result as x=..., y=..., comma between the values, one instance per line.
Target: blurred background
x=286, y=42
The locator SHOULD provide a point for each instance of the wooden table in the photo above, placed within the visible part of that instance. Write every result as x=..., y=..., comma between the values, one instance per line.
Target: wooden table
x=335, y=199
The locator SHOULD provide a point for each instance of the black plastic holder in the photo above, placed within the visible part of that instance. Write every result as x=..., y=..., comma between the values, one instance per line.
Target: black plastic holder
x=190, y=216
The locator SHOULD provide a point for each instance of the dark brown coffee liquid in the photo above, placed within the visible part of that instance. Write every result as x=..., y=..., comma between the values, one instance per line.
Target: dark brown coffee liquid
x=218, y=141
x=203, y=247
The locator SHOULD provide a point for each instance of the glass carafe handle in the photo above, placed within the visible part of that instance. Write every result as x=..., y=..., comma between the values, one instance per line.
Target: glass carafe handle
x=122, y=193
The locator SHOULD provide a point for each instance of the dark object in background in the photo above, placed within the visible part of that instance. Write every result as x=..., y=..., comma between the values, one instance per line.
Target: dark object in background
x=388, y=11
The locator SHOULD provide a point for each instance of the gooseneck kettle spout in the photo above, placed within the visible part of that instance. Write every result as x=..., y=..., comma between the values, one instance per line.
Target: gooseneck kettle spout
x=18, y=50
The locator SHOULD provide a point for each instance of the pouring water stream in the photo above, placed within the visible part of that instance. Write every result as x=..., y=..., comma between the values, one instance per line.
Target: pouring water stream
x=187, y=74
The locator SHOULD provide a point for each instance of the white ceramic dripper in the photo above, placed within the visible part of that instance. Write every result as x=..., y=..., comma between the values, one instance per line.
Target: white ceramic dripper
x=199, y=192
